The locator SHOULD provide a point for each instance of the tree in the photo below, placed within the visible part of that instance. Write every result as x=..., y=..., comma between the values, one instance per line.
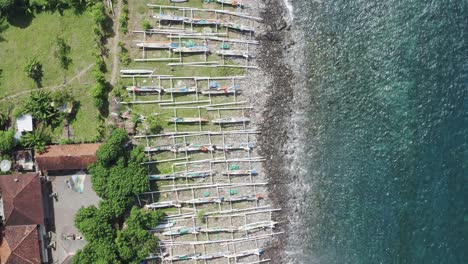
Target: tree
x=33, y=70
x=4, y=120
x=37, y=139
x=40, y=106
x=146, y=25
x=154, y=124
x=6, y=5
x=62, y=51
x=134, y=243
x=113, y=148
x=93, y=224
x=7, y=141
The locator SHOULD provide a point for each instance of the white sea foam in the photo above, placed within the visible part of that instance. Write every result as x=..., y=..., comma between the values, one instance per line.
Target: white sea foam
x=289, y=6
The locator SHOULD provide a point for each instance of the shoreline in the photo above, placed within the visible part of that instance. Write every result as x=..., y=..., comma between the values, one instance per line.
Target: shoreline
x=278, y=114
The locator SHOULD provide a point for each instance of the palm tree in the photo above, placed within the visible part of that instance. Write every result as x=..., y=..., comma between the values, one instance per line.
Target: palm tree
x=40, y=106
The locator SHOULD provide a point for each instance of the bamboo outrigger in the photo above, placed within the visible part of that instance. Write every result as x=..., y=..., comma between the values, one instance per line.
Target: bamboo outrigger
x=168, y=17
x=230, y=120
x=245, y=253
x=189, y=175
x=238, y=27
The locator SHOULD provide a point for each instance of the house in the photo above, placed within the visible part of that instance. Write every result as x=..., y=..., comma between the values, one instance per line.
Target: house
x=23, y=219
x=24, y=123
x=59, y=158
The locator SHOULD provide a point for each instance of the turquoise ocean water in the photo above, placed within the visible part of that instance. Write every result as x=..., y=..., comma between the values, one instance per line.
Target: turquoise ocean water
x=387, y=143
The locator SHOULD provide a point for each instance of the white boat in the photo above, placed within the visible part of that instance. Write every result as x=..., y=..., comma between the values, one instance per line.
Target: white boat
x=158, y=148
x=163, y=226
x=258, y=225
x=156, y=45
x=245, y=253
x=156, y=177
x=187, y=120
x=193, y=49
x=182, y=231
x=241, y=146
x=240, y=173
x=249, y=198
x=179, y=1
x=203, y=22
x=181, y=90
x=234, y=53
x=192, y=148
x=231, y=2
x=204, y=200
x=189, y=175
x=165, y=204
x=182, y=257
x=130, y=72
x=231, y=120
x=144, y=89
x=239, y=27
x=168, y=17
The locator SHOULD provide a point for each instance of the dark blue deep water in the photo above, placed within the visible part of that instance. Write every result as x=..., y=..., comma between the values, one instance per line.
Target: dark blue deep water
x=387, y=143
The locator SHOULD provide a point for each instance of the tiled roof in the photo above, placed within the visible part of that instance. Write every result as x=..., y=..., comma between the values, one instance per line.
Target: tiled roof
x=22, y=199
x=67, y=157
x=20, y=244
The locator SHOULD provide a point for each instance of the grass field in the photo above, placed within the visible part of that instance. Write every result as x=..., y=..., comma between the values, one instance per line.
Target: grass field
x=25, y=38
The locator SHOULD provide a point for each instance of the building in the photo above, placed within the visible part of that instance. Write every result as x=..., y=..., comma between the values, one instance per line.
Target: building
x=23, y=219
x=24, y=123
x=60, y=158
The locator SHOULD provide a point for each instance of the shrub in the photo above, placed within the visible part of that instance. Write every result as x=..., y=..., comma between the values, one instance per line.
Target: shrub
x=146, y=25
x=7, y=141
x=33, y=70
x=62, y=52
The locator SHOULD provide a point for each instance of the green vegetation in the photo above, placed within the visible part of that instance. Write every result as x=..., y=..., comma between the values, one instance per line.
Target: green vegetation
x=62, y=52
x=33, y=70
x=40, y=106
x=7, y=141
x=123, y=20
x=124, y=56
x=116, y=232
x=38, y=139
x=146, y=25
x=154, y=125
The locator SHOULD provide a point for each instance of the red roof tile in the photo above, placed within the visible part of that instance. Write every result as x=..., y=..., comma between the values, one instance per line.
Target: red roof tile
x=20, y=244
x=22, y=199
x=67, y=157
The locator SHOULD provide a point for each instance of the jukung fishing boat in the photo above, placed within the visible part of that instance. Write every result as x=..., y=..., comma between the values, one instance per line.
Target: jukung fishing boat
x=158, y=148
x=231, y=2
x=191, y=148
x=156, y=45
x=258, y=225
x=239, y=27
x=162, y=226
x=203, y=22
x=221, y=90
x=169, y=17
x=181, y=90
x=245, y=253
x=189, y=175
x=144, y=89
x=240, y=173
x=182, y=231
x=192, y=49
x=204, y=200
x=165, y=204
x=182, y=257
x=230, y=120
x=131, y=72
x=218, y=230
x=241, y=146
x=179, y=1
x=156, y=177
x=187, y=120
x=250, y=198
x=234, y=53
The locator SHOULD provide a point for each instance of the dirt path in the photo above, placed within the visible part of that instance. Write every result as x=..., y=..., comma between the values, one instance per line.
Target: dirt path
x=114, y=43
x=77, y=76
